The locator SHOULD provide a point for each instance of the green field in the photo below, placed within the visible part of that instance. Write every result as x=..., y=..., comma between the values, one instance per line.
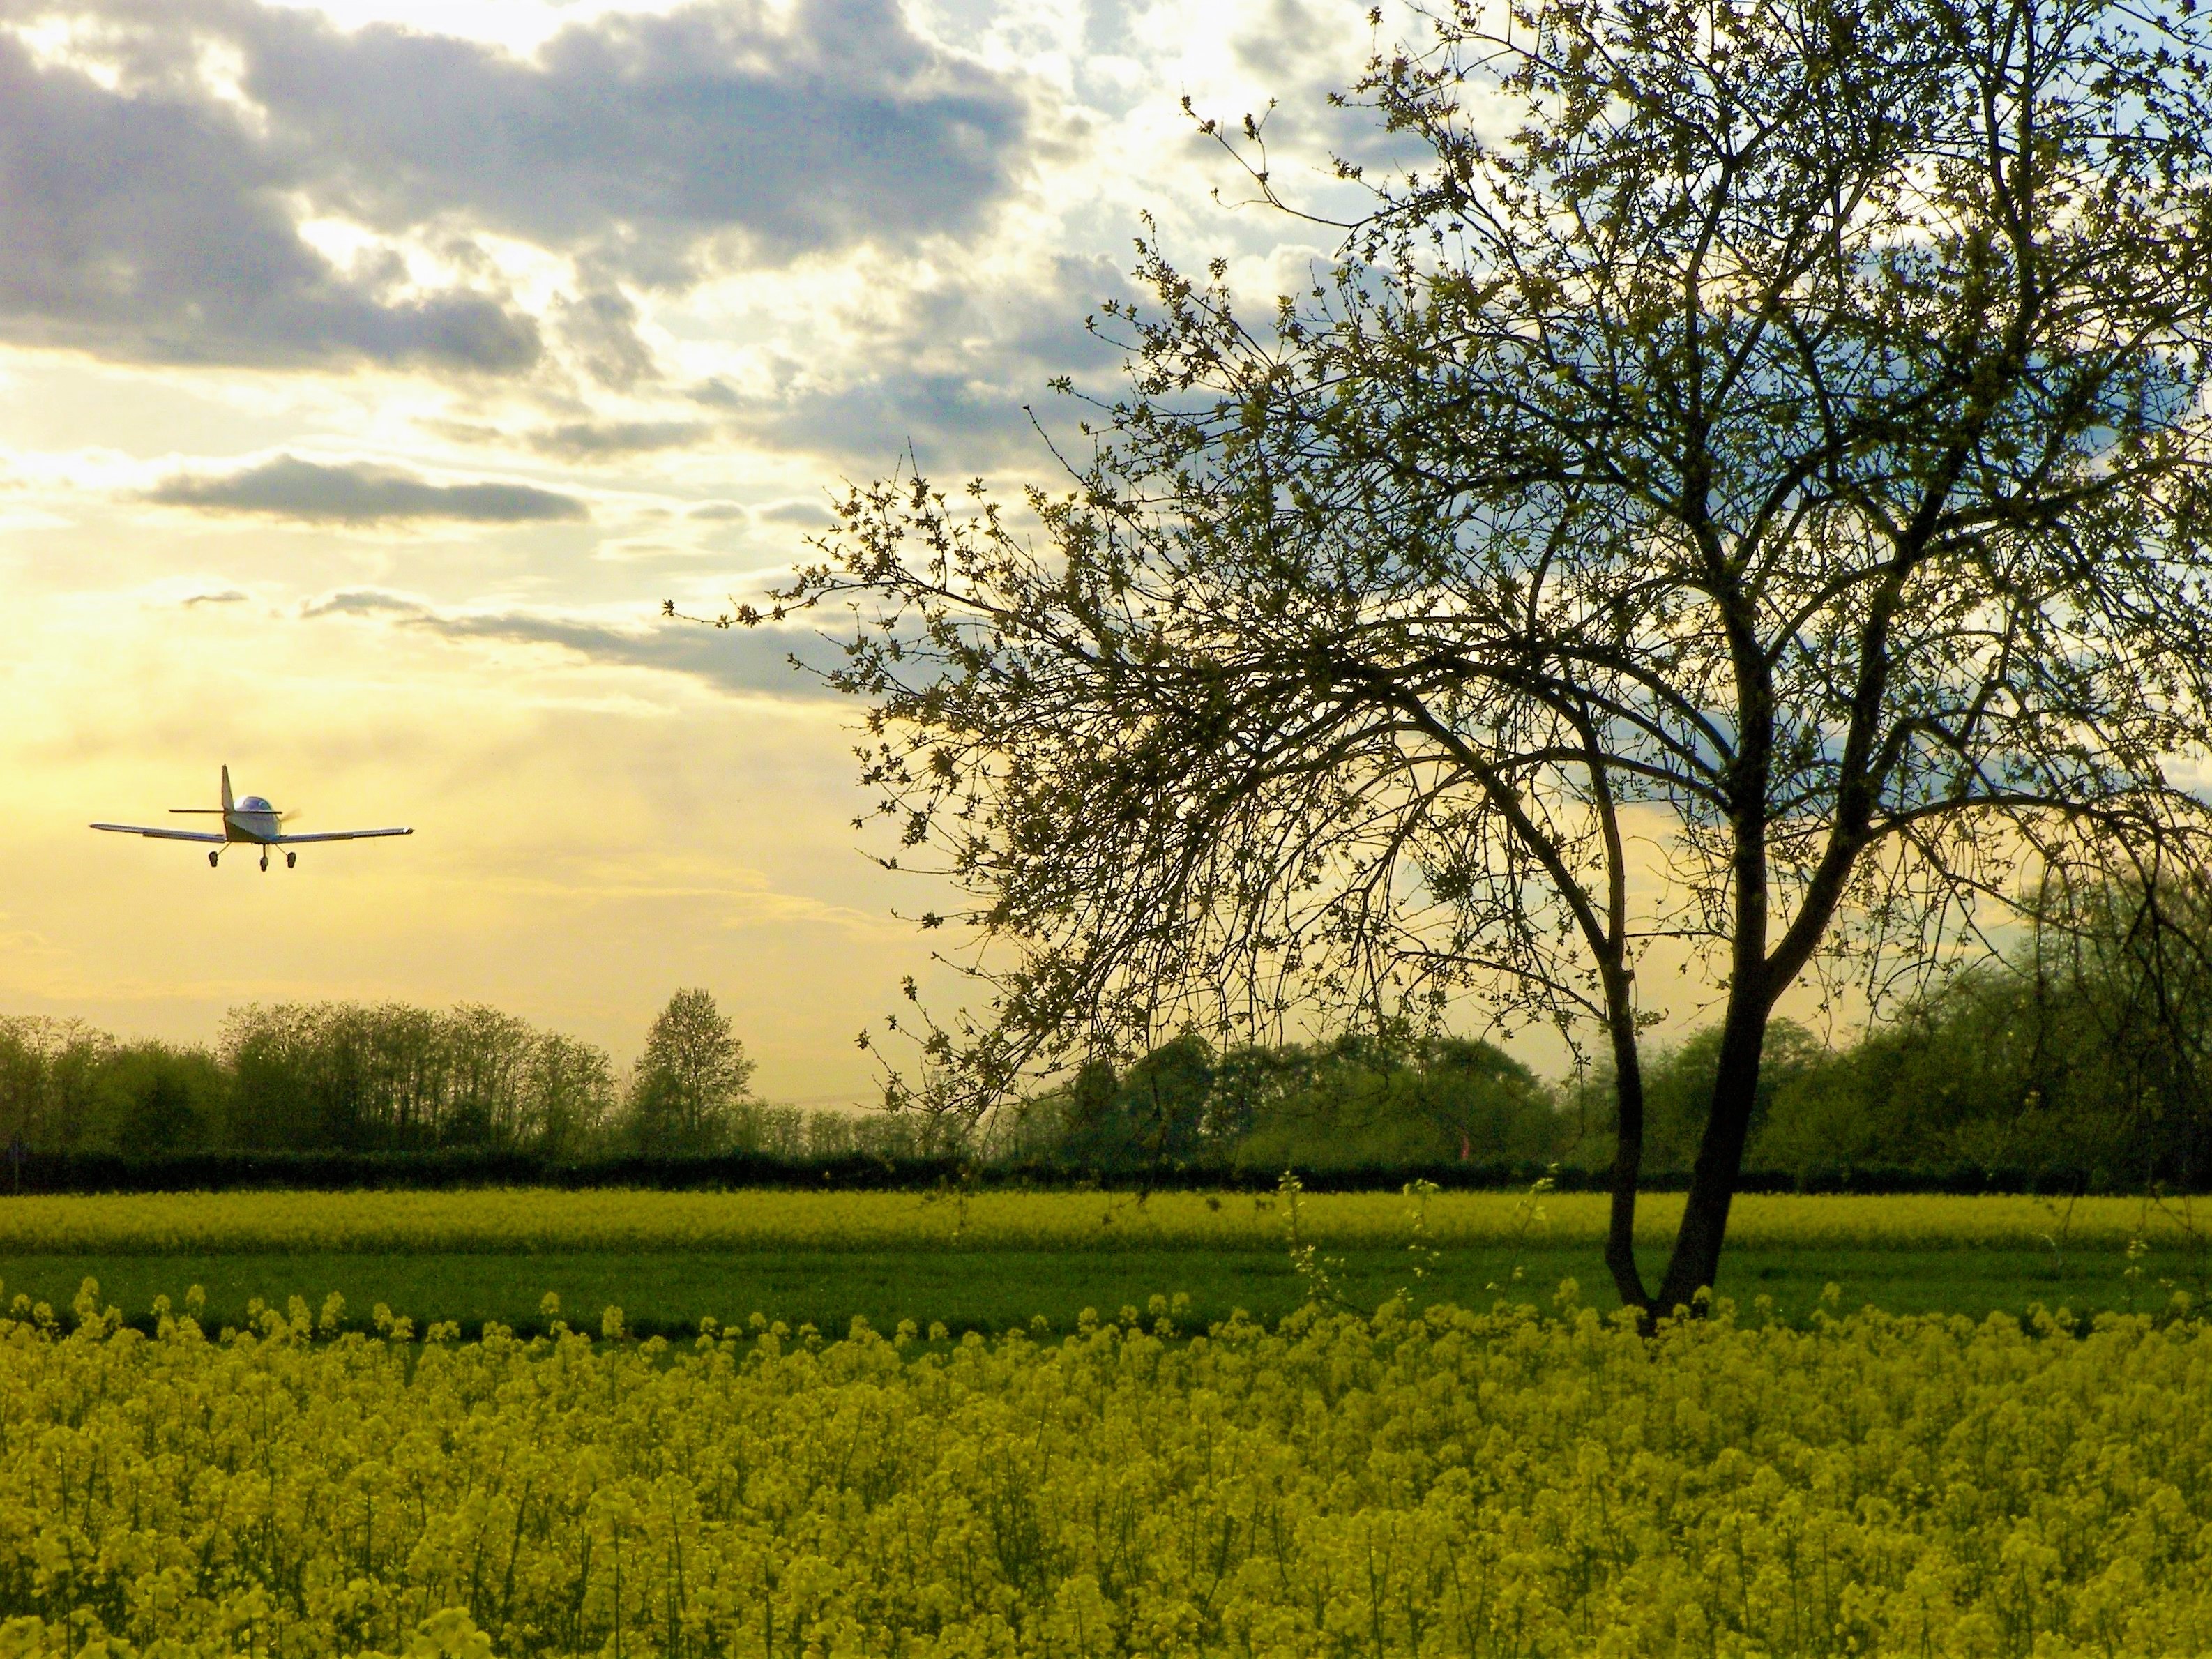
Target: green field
x=1828, y=1472
x=1001, y=1261
x=666, y=1294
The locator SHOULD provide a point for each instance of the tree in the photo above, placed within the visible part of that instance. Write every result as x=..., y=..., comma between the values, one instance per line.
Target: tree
x=1151, y=1117
x=1379, y=1100
x=489, y=1056
x=2120, y=971
x=1679, y=1082
x=690, y=1081
x=49, y=1069
x=569, y=1095
x=2081, y=1051
x=392, y=1078
x=155, y=1099
x=1758, y=502
x=1087, y=1117
x=1487, y=1104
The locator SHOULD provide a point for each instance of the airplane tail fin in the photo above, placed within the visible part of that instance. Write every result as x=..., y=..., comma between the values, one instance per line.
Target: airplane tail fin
x=227, y=802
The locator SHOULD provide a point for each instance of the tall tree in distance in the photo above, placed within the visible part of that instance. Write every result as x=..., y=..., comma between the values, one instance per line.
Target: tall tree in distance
x=48, y=1071
x=690, y=1084
x=1756, y=502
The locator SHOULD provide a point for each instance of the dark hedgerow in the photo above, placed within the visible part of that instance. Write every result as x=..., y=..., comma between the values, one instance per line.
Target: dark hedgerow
x=100, y=1172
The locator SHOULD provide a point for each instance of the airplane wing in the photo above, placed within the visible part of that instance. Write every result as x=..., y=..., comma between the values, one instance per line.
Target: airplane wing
x=335, y=834
x=161, y=834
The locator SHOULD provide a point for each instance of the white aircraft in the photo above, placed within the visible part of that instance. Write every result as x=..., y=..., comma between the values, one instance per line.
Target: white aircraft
x=253, y=821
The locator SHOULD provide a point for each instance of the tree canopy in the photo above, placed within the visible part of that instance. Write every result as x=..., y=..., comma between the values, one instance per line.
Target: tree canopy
x=1740, y=487
x=690, y=1079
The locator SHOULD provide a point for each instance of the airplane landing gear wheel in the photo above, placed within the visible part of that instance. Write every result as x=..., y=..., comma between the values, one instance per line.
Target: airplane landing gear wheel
x=290, y=859
x=213, y=856
x=265, y=863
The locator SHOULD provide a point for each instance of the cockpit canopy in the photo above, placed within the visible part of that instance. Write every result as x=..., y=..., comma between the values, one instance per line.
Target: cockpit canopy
x=254, y=803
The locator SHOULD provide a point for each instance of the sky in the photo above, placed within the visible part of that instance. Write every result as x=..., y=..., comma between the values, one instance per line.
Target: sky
x=370, y=371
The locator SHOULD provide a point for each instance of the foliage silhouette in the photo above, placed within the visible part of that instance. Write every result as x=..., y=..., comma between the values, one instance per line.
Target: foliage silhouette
x=1755, y=507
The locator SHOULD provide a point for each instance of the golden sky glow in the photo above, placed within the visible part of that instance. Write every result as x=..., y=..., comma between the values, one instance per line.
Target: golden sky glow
x=358, y=454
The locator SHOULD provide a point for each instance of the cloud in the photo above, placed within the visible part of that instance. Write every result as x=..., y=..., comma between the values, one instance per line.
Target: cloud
x=947, y=419
x=1294, y=44
x=226, y=596
x=716, y=393
x=153, y=215
x=585, y=441
x=153, y=227
x=732, y=660
x=601, y=328
x=358, y=493
x=756, y=660
x=593, y=440
x=808, y=515
x=955, y=369
x=635, y=138
x=364, y=602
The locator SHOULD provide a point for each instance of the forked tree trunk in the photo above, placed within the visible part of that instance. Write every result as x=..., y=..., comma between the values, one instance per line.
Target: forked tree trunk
x=1695, y=1264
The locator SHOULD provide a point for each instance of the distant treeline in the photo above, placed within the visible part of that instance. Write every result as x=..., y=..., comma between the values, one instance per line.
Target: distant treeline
x=391, y=1081
x=1958, y=1099
x=2081, y=1061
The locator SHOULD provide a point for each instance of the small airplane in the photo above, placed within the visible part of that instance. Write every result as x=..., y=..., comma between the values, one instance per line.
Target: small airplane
x=253, y=821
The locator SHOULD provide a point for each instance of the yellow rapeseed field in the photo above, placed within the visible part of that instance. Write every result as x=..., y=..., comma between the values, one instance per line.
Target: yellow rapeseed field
x=522, y=1220
x=1452, y=1483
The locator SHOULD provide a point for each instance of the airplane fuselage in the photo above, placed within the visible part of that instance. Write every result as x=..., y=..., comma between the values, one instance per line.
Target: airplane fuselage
x=254, y=821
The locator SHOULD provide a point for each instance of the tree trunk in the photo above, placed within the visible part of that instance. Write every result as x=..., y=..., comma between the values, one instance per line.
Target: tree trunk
x=1696, y=1262
x=1627, y=1153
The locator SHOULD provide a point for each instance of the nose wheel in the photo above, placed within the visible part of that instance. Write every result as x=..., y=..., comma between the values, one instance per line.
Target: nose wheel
x=264, y=861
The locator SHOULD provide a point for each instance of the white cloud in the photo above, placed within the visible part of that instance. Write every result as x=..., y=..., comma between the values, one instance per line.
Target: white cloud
x=154, y=202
